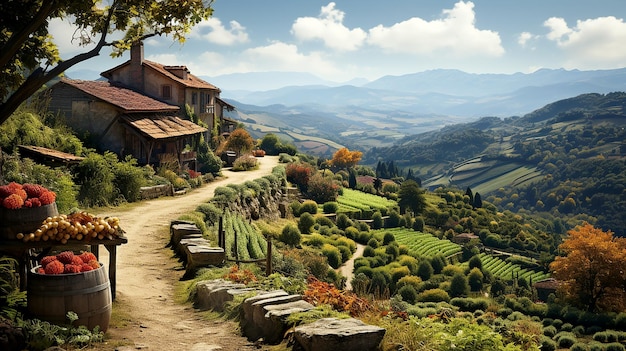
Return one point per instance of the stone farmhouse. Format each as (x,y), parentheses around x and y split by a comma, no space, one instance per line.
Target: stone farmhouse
(140,109)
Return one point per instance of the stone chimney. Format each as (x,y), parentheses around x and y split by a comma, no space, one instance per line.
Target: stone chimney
(136,66)
(181,72)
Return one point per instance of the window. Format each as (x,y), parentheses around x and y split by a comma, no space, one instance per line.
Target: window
(194,98)
(166,92)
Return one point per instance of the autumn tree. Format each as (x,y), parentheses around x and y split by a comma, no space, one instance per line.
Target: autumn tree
(29,58)
(239,141)
(345,158)
(593,269)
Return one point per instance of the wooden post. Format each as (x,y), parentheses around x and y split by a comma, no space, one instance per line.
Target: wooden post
(268,259)
(221,237)
(236,249)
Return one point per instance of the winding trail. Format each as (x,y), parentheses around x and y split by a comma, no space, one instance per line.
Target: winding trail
(347,269)
(146,315)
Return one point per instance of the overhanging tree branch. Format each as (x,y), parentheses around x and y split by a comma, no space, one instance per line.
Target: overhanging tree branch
(16,40)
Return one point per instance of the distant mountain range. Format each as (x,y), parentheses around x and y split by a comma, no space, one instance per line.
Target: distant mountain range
(377,113)
(441,92)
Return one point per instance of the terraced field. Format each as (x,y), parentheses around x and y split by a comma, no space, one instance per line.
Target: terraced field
(423,244)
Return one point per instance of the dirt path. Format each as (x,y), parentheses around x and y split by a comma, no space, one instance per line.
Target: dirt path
(347,269)
(147,275)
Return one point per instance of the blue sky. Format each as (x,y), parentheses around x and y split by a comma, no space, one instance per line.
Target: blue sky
(342,40)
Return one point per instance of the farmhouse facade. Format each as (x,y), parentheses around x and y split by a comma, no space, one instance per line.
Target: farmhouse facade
(140,110)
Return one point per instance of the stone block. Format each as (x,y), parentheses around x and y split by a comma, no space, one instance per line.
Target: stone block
(274,325)
(213,294)
(339,334)
(203,256)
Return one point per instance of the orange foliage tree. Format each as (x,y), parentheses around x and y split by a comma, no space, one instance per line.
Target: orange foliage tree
(345,158)
(239,141)
(593,270)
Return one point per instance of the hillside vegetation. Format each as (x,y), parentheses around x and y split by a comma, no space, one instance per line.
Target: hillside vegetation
(566,159)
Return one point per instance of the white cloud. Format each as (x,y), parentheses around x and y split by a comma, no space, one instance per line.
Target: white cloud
(455,34)
(279,56)
(215,32)
(524,38)
(207,64)
(592,43)
(329,28)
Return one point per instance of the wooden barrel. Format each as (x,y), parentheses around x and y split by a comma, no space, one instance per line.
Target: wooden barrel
(88,294)
(24,220)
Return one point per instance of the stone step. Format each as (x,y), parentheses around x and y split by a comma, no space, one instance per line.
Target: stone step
(215,294)
(339,334)
(275,324)
(202,256)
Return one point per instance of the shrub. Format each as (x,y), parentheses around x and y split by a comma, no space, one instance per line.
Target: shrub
(595,346)
(330,207)
(434,295)
(408,294)
(424,270)
(451,269)
(322,189)
(290,235)
(369,251)
(128,178)
(343,221)
(299,174)
(394,219)
(579,347)
(470,304)
(459,286)
(209,162)
(475,279)
(324,221)
(309,206)
(549,331)
(547,344)
(412,280)
(373,243)
(95,177)
(578,330)
(388,238)
(332,255)
(567,327)
(380,281)
(377,220)
(614,346)
(346,253)
(557,323)
(211,213)
(305,223)
(565,339)
(393,251)
(351,233)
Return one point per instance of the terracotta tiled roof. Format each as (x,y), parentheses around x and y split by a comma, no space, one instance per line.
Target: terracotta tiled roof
(191,81)
(126,99)
(163,127)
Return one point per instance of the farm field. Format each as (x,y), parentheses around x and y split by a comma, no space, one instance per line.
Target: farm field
(427,245)
(507,270)
(358,201)
(423,244)
(250,242)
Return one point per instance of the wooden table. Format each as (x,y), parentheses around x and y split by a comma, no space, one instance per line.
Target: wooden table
(24,252)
